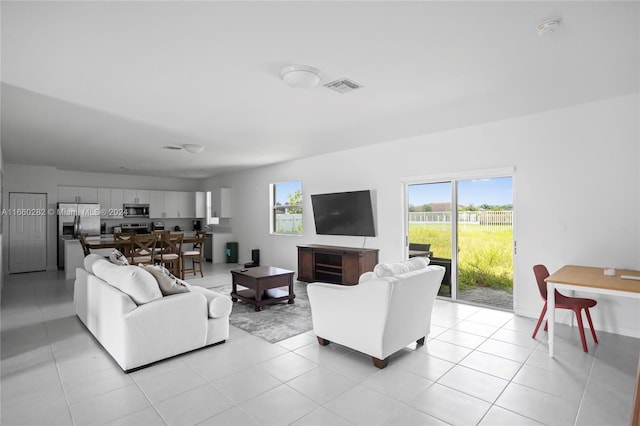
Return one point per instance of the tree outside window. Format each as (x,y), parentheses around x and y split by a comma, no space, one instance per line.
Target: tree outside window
(287,208)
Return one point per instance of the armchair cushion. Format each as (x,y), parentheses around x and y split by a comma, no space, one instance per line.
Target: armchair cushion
(393,269)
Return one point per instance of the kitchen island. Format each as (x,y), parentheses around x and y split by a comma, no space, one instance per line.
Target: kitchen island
(102,245)
(74,256)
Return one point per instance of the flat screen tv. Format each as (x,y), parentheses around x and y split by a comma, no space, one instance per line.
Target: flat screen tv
(343,213)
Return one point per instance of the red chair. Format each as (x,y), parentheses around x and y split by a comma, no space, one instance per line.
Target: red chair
(576,304)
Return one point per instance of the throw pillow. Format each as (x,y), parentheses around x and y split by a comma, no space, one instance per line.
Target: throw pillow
(168,283)
(137,283)
(118,258)
(393,269)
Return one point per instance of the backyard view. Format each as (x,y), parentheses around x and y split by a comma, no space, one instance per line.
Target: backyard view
(484,240)
(485,253)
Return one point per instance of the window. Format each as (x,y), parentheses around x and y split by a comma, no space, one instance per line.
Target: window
(286,208)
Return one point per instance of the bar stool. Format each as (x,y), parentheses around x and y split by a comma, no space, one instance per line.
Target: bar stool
(195,255)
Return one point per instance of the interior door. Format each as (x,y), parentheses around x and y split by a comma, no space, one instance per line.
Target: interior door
(27,232)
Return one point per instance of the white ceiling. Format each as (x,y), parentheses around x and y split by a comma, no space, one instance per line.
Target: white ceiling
(97,86)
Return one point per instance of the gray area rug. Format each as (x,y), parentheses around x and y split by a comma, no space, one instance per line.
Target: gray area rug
(275,322)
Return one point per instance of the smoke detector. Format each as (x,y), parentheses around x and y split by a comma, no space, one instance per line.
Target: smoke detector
(547,26)
(343,85)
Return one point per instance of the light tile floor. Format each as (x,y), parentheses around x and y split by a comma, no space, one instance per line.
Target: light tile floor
(479,366)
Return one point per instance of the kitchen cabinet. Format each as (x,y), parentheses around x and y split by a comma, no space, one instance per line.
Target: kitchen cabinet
(111,201)
(136,196)
(77,194)
(200,204)
(221,202)
(163,204)
(186,205)
(172,205)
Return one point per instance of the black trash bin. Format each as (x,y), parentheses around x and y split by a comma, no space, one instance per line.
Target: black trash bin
(232,252)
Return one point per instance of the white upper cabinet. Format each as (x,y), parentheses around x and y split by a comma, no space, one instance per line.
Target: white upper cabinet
(171,204)
(221,203)
(156,204)
(111,201)
(163,204)
(136,196)
(201,204)
(187,205)
(77,194)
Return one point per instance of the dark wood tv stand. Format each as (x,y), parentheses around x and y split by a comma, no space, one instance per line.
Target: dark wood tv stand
(334,264)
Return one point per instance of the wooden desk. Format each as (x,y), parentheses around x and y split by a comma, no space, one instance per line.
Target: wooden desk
(587,279)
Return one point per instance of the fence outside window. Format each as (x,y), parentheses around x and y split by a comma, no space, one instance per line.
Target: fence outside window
(489,219)
(287,223)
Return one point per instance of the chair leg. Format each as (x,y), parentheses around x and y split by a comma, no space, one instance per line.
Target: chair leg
(323,342)
(593,330)
(199,266)
(581,330)
(380,363)
(544,311)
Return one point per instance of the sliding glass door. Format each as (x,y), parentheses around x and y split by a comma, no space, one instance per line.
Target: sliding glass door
(465,225)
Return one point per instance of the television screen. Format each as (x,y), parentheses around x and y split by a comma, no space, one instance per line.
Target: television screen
(343,213)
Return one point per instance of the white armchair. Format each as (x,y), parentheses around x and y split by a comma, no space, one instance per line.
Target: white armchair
(389,308)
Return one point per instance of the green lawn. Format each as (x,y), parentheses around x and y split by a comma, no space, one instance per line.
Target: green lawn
(485,257)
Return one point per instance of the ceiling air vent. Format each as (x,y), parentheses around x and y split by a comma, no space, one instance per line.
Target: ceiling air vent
(344,85)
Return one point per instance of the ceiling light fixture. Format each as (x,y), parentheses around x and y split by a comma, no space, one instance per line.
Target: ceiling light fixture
(189,147)
(301,76)
(549,25)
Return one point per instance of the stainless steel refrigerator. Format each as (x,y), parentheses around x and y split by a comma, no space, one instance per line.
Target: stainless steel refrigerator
(74,219)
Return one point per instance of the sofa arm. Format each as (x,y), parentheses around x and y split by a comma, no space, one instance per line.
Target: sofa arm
(219,304)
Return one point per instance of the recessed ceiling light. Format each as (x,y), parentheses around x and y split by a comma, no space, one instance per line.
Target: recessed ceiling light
(301,76)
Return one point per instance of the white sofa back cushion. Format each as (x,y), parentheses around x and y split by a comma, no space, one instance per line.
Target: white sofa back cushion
(132,280)
(393,269)
(90,260)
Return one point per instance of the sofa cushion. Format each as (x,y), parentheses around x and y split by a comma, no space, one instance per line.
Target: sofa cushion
(118,258)
(90,260)
(168,283)
(393,269)
(132,280)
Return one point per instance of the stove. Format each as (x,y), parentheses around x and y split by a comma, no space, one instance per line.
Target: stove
(138,228)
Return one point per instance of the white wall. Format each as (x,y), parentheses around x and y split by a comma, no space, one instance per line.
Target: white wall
(576,194)
(22,178)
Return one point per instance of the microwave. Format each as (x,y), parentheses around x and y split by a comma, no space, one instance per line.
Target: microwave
(135,210)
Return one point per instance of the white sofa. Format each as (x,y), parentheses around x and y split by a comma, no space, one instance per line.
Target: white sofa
(135,323)
(389,308)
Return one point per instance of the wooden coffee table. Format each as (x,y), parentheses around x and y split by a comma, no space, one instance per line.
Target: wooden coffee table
(259,280)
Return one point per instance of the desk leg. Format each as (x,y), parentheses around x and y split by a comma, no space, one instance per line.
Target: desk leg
(551,315)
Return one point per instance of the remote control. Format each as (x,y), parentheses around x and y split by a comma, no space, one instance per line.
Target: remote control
(630,277)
